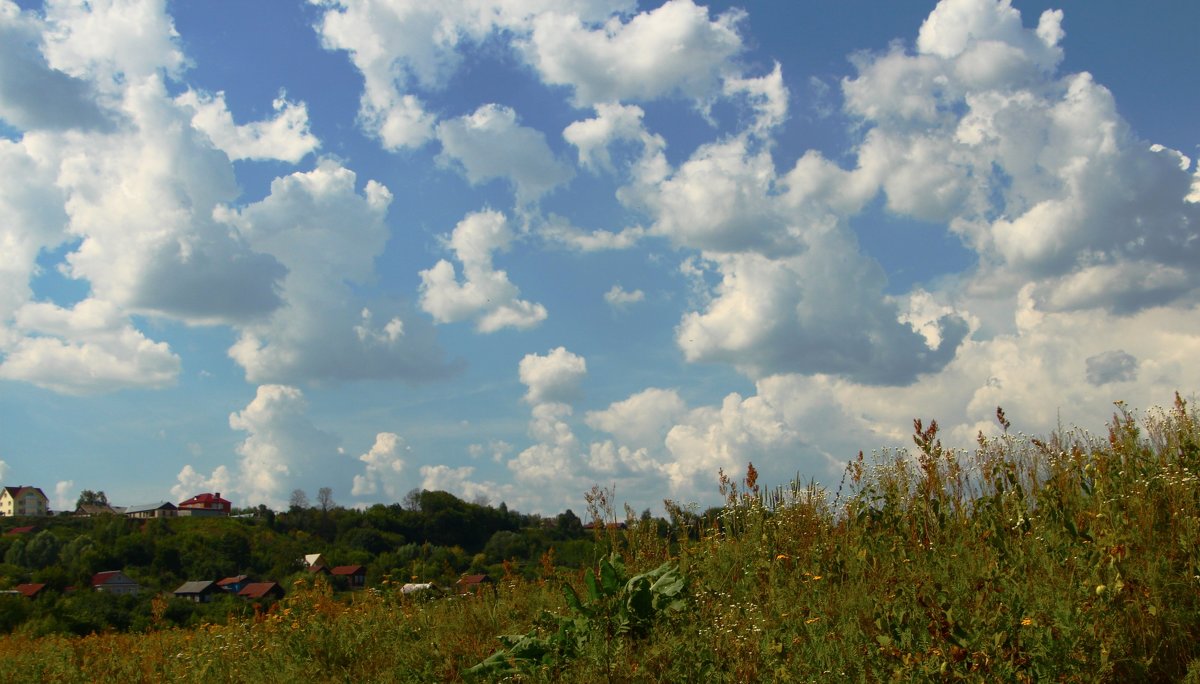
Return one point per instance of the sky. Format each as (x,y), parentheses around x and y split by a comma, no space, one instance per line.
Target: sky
(512,249)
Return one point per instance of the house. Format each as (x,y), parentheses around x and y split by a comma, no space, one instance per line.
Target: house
(313,559)
(234,584)
(23,500)
(355,576)
(114,582)
(162,509)
(315,570)
(474,584)
(205,504)
(261,590)
(24,529)
(201,591)
(92,510)
(30,590)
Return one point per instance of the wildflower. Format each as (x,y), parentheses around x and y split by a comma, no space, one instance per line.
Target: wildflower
(1100,589)
(1026,622)
(811,620)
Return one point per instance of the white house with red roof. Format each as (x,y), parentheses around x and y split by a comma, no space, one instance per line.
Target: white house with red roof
(114,582)
(23,500)
(205,504)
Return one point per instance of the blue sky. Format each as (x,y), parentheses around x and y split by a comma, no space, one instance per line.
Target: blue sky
(513,248)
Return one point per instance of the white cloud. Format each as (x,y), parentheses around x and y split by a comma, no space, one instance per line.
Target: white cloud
(400,45)
(64,497)
(821,311)
(613,123)
(384,465)
(486,293)
(552,378)
(458,481)
(87,349)
(767,95)
(189,483)
(641,420)
(35,221)
(285,137)
(3,470)
(618,297)
(283,449)
(327,235)
(709,439)
(1037,172)
(33,95)
(675,48)
(112,41)
(562,232)
(141,201)
(491,144)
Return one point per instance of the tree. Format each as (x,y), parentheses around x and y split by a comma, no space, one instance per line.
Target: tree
(89,498)
(298,500)
(325,498)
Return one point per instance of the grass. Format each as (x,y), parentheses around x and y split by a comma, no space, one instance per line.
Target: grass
(1064,558)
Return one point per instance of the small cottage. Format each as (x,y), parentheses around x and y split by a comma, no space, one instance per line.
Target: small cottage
(201,591)
(257,591)
(355,576)
(114,582)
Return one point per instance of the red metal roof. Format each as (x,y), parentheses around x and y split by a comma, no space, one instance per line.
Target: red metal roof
(348,570)
(231,580)
(206,500)
(259,589)
(105,577)
(30,590)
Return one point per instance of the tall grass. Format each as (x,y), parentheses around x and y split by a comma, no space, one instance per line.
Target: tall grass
(1066,558)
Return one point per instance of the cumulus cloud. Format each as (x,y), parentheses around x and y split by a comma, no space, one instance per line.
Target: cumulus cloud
(1036,171)
(189,482)
(64,497)
(767,96)
(401,45)
(33,95)
(283,449)
(491,144)
(458,481)
(140,202)
(740,430)
(641,420)
(486,294)
(3,470)
(675,48)
(384,465)
(552,378)
(327,235)
(112,42)
(613,123)
(285,137)
(618,297)
(821,311)
(87,349)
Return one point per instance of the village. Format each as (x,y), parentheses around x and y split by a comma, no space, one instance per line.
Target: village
(31,502)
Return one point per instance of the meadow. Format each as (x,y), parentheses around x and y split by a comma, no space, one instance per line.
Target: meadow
(1069,557)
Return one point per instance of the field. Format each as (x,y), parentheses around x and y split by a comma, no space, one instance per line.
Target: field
(1063,558)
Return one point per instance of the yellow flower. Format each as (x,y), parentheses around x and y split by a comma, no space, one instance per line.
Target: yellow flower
(811,620)
(816,577)
(1026,622)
